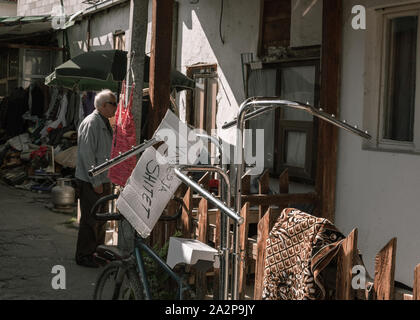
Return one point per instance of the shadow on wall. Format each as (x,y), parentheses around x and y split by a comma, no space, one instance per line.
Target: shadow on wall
(199,28)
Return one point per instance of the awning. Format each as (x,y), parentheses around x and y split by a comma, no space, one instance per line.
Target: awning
(10,27)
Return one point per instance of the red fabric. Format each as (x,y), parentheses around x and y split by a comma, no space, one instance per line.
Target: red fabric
(124,138)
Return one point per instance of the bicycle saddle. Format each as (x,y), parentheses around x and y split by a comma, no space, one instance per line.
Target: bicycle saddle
(111,253)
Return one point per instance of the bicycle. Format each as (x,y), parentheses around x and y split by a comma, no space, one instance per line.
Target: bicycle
(125,272)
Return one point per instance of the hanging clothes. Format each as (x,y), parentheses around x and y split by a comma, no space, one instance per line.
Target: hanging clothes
(124,138)
(54,96)
(81,114)
(88,103)
(38,103)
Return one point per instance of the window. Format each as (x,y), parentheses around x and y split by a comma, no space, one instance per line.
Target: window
(294,131)
(119,40)
(275,24)
(9,69)
(201,108)
(37,64)
(392,87)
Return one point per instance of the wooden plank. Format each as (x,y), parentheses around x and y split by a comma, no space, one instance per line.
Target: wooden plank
(325,183)
(201,282)
(243,245)
(385,271)
(281,199)
(26,46)
(202,220)
(264,188)
(264,227)
(284,181)
(345,262)
(160,61)
(416,285)
(186,214)
(204,180)
(272,199)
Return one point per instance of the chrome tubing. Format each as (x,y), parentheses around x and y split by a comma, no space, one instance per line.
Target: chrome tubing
(224,232)
(270,103)
(219,204)
(122,157)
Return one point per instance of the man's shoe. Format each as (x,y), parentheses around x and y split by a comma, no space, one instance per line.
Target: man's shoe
(87,261)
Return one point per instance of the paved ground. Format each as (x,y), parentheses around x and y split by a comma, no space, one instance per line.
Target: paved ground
(33,239)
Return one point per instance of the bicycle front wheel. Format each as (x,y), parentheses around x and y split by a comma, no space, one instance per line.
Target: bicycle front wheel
(118,281)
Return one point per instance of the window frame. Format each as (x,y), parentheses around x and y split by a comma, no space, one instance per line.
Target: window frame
(377,71)
(307,173)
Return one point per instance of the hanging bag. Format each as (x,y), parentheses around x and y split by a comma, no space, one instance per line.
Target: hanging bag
(124,138)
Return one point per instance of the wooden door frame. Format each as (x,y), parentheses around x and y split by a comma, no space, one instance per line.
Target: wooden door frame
(326,174)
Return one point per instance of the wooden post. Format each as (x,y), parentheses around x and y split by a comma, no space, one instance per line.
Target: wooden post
(416,285)
(385,271)
(264,188)
(204,180)
(201,283)
(243,244)
(170,226)
(137,43)
(284,182)
(264,227)
(345,262)
(186,214)
(330,97)
(160,61)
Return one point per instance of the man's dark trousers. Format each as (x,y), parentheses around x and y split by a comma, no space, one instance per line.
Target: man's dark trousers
(91,231)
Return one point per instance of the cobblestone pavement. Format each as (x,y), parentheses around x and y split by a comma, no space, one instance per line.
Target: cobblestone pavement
(33,239)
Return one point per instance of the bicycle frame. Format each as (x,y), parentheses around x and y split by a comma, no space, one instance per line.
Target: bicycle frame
(141,245)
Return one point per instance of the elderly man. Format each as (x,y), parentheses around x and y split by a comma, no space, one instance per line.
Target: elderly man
(94,146)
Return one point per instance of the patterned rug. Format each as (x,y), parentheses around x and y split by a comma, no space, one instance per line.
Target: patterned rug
(300,248)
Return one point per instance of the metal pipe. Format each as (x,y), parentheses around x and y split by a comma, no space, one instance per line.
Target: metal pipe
(273,103)
(249,116)
(224,223)
(122,157)
(228,211)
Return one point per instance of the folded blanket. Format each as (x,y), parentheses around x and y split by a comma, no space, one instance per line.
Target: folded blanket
(299,248)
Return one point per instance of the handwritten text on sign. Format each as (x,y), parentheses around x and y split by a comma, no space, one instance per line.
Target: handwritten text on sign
(147,192)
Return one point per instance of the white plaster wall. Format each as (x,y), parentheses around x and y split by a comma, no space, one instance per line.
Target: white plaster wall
(8,9)
(377,192)
(41,7)
(199,41)
(102,27)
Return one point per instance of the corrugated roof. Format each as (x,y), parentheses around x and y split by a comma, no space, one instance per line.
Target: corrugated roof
(11,19)
(34,18)
(25,19)
(18,25)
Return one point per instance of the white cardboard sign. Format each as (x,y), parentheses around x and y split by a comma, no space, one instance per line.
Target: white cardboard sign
(153,180)
(147,192)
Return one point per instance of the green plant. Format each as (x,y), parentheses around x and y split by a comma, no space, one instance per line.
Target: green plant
(159,282)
